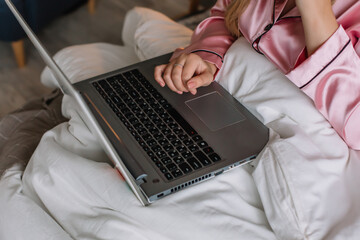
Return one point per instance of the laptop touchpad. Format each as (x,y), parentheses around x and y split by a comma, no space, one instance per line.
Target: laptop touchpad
(215,111)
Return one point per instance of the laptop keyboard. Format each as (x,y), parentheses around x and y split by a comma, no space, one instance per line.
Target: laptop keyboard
(173,146)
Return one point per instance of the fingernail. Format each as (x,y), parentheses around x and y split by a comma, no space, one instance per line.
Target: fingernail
(179,92)
(193,92)
(161,83)
(191,85)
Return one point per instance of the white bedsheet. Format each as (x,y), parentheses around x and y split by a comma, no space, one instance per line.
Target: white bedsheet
(304,184)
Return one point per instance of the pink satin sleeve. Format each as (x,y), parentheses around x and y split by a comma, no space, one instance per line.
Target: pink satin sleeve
(210,39)
(331,77)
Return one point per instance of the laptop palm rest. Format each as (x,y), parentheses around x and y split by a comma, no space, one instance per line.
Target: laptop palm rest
(214,111)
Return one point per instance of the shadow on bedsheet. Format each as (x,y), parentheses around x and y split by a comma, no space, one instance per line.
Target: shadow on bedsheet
(21,131)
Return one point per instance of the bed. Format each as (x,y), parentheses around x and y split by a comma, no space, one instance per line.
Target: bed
(303,185)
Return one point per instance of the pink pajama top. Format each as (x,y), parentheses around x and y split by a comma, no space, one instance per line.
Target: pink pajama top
(330,76)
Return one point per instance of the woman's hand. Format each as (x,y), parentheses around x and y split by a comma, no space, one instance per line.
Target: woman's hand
(185,73)
(318,20)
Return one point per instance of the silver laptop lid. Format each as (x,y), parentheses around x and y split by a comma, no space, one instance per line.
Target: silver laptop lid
(68,89)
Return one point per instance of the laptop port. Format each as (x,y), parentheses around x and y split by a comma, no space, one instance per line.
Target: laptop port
(219,172)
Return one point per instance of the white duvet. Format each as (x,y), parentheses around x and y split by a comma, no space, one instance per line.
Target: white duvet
(303,185)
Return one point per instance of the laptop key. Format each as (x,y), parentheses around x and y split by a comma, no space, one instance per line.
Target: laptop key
(156,95)
(168,148)
(104,84)
(142,143)
(168,176)
(168,119)
(134,94)
(181,148)
(151,143)
(202,144)
(143,132)
(147,137)
(186,154)
(173,154)
(188,142)
(185,168)
(177,131)
(158,164)
(183,137)
(214,157)
(202,158)
(176,142)
(161,126)
(153,130)
(167,106)
(158,136)
(151,89)
(108,100)
(121,105)
(171,167)
(177,173)
(163,142)
(154,159)
(129,115)
(131,105)
(127,124)
(137,137)
(171,137)
(208,150)
(195,164)
(157,121)
(166,160)
(166,131)
(163,101)
(173,126)
(156,148)
(133,121)
(125,110)
(138,126)
(178,160)
(150,153)
(145,95)
(161,154)
(116,99)
(193,148)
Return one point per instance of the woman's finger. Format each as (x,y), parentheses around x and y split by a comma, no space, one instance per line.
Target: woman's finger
(167,77)
(201,80)
(158,73)
(196,73)
(176,74)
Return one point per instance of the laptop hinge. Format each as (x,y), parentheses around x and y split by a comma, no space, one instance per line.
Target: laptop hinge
(141,179)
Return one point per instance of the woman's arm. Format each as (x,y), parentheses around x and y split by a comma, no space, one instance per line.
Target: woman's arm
(331,73)
(319,22)
(197,64)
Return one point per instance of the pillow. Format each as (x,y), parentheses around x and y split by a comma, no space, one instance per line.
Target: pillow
(152,34)
(80,62)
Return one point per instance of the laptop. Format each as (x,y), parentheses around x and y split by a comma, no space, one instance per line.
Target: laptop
(161,142)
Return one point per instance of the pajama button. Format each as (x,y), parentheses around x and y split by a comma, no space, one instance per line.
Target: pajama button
(268,27)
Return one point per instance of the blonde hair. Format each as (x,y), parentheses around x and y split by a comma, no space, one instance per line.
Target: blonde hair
(233,11)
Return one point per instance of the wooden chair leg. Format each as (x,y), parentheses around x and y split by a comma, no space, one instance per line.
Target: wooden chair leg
(194,6)
(18,49)
(91,6)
